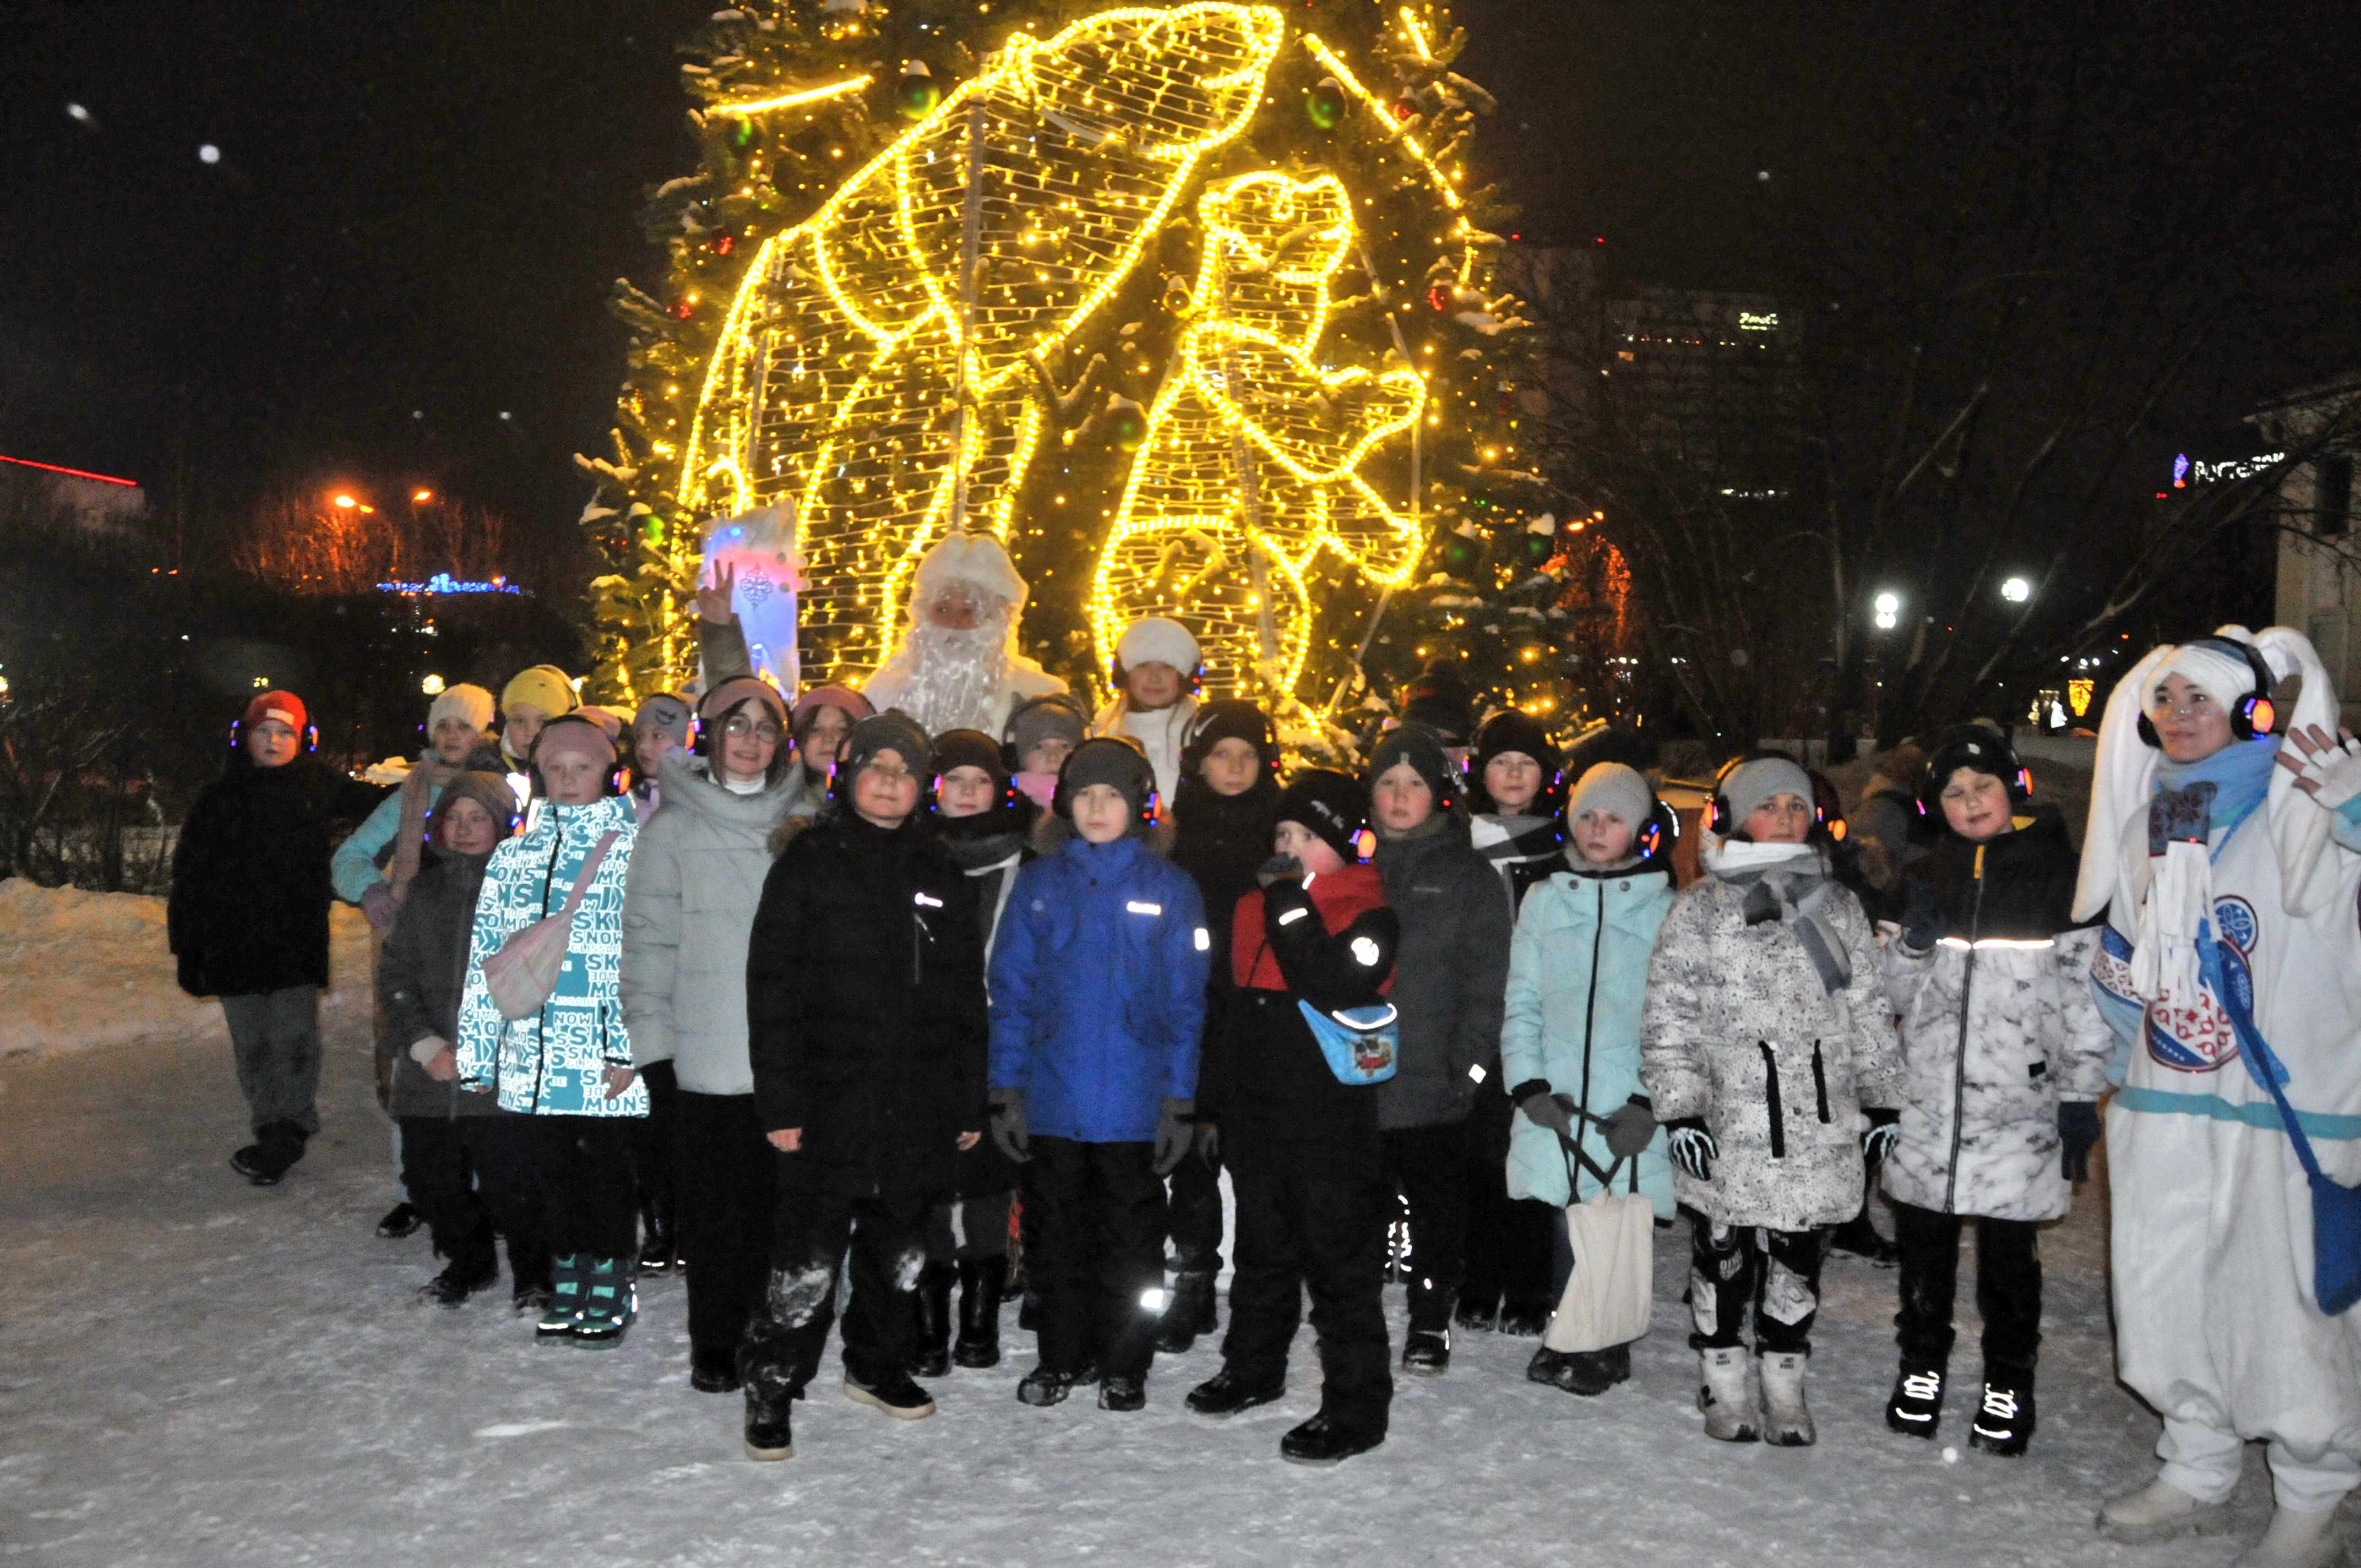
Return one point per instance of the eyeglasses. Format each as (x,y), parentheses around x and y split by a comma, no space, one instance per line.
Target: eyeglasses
(2161,706)
(739,727)
(889,772)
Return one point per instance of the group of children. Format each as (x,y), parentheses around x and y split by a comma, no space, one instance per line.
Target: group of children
(891,999)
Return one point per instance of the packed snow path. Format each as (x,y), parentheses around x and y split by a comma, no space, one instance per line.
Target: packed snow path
(196,1371)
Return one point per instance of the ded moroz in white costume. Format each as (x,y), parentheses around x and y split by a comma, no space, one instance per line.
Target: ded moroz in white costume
(2217,1325)
(956,666)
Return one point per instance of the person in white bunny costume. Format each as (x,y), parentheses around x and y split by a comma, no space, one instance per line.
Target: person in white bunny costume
(2229,860)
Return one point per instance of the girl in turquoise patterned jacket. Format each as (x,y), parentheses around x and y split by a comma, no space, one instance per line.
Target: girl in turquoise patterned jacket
(568,1066)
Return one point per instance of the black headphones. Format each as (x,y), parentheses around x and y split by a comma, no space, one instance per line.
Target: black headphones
(614,779)
(1972,745)
(1010,795)
(2256,715)
(1718,814)
(1066,700)
(1063,802)
(311,735)
(1658,834)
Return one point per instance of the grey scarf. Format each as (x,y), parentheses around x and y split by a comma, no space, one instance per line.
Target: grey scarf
(1789,884)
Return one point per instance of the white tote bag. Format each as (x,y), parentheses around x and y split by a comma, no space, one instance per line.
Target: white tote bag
(1609,1295)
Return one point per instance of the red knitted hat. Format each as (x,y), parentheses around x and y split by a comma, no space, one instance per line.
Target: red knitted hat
(284,707)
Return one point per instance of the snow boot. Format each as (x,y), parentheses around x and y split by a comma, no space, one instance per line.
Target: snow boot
(1478,1316)
(1786,1420)
(1520,1321)
(1321,1442)
(713,1371)
(276,1148)
(1725,1397)
(1117,1392)
(2003,1423)
(2158,1511)
(768,1434)
(1226,1394)
(463,1277)
(1189,1313)
(2297,1541)
(1914,1408)
(1860,1237)
(527,1296)
(564,1305)
(609,1302)
(1043,1387)
(1589,1372)
(931,1352)
(981,1283)
(402,1220)
(660,1253)
(896,1396)
(1426,1351)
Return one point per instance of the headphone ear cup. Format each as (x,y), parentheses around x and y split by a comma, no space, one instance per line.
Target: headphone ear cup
(2147,732)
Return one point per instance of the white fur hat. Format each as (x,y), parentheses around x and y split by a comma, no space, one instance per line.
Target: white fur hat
(976,559)
(1155,639)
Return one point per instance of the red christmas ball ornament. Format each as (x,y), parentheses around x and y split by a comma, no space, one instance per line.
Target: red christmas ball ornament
(722,244)
(1405,108)
(681,310)
(1441,297)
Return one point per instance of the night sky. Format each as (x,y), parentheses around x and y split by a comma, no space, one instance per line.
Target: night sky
(418,210)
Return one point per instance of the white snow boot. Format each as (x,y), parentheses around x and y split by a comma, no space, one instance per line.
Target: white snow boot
(1786,1422)
(2298,1540)
(2158,1511)
(1727,1401)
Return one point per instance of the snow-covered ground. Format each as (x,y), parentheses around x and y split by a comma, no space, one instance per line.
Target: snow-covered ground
(194,1371)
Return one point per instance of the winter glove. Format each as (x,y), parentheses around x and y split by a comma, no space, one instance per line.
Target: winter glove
(1008,1134)
(1209,1144)
(2329,771)
(1630,1130)
(1922,917)
(380,906)
(2078,1130)
(1279,868)
(1544,1108)
(1884,1132)
(1174,1133)
(1691,1146)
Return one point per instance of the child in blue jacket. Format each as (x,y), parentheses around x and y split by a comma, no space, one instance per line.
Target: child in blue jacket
(1098,995)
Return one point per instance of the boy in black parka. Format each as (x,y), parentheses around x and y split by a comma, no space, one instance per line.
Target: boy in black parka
(1304,1152)
(1223,817)
(866,1032)
(248,917)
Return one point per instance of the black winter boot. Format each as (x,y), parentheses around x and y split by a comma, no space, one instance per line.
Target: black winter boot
(768,1434)
(1914,1408)
(470,1269)
(1042,1387)
(659,1252)
(1321,1441)
(1226,1394)
(930,1354)
(276,1147)
(1859,1236)
(896,1396)
(713,1371)
(402,1220)
(2003,1423)
(1426,1351)
(1117,1392)
(1589,1372)
(1188,1314)
(982,1280)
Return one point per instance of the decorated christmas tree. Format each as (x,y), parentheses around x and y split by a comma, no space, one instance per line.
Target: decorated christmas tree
(1190,304)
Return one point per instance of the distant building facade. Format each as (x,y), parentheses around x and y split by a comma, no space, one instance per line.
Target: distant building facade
(2318,586)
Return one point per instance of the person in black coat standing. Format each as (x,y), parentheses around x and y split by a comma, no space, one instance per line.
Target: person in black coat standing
(866,1030)
(1223,815)
(248,917)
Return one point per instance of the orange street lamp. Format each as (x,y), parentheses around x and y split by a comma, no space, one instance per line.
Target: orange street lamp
(421,495)
(346,503)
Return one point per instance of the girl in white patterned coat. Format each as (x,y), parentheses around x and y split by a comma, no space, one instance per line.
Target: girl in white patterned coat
(1767,1050)
(2005,1057)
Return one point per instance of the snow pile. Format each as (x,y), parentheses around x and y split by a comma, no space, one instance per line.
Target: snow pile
(83,970)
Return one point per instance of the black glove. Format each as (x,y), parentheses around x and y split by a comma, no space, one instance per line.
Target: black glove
(1008,1125)
(1209,1144)
(1174,1132)
(1544,1108)
(1631,1129)
(1279,868)
(1691,1146)
(1922,917)
(1884,1132)
(2078,1131)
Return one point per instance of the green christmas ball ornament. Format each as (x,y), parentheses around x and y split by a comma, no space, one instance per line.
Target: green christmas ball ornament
(743,133)
(652,530)
(915,95)
(1126,425)
(1460,555)
(1540,547)
(1325,103)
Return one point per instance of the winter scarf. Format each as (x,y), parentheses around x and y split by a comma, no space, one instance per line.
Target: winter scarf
(1790,883)
(2193,800)
(425,782)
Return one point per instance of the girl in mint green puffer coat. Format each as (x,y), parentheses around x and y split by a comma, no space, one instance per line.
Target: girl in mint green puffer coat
(1570,1031)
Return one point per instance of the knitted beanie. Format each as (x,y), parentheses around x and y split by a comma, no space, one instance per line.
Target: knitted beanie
(489,791)
(542,686)
(1057,714)
(663,714)
(1114,761)
(1757,780)
(1422,749)
(1612,788)
(1513,729)
(1157,639)
(844,700)
(284,707)
(571,734)
(892,730)
(716,705)
(969,749)
(471,706)
(1333,806)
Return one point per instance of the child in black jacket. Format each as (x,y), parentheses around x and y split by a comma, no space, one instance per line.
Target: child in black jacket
(1306,1155)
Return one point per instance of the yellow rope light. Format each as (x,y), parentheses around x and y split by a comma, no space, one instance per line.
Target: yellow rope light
(791,100)
(830,381)
(1252,449)
(1416,35)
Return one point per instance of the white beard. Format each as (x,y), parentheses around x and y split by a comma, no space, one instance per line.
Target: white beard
(951,679)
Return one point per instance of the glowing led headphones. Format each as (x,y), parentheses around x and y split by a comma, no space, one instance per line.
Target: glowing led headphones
(2256,715)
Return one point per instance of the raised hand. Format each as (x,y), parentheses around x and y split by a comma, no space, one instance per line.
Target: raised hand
(713,599)
(2328,770)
